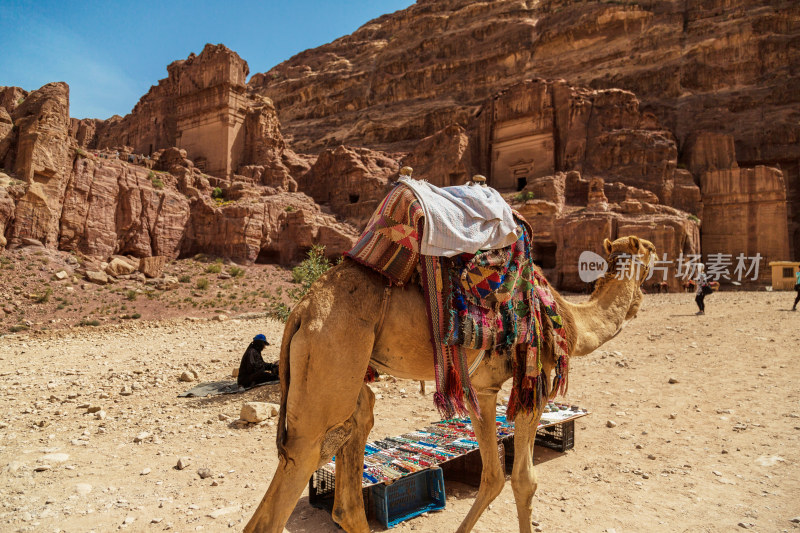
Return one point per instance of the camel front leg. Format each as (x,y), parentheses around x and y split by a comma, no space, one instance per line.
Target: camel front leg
(492,476)
(348,504)
(523,476)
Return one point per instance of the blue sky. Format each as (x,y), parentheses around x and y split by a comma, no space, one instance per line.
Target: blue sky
(110,53)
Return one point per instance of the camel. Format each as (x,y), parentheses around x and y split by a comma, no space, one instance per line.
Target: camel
(660,286)
(349,320)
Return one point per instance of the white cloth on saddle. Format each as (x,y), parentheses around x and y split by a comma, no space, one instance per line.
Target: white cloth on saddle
(465,218)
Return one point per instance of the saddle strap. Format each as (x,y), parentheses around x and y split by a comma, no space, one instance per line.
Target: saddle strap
(387,293)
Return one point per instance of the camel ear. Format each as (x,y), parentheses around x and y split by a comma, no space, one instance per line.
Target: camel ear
(634,242)
(607,246)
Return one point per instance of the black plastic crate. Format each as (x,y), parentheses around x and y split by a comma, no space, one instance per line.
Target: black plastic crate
(408,496)
(560,437)
(321,490)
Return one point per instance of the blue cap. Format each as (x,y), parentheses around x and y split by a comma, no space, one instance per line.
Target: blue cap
(260,337)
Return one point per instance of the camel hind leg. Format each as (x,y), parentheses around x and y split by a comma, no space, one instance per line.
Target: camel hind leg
(326,366)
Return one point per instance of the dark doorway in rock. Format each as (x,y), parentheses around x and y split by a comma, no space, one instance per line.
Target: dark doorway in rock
(269,257)
(522,183)
(544,254)
(354,198)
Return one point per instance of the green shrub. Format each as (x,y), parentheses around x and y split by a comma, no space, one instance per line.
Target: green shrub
(131,294)
(186,278)
(236,271)
(202,284)
(694,219)
(18,327)
(86,322)
(136,315)
(306,273)
(157,183)
(44,297)
(523,196)
(311,268)
(289,208)
(216,268)
(217,193)
(280,311)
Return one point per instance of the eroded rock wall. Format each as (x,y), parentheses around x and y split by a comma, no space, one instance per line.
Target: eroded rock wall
(42,159)
(115,208)
(719,66)
(745,213)
(350,181)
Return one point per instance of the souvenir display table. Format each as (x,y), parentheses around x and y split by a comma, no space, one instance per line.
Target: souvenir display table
(389,459)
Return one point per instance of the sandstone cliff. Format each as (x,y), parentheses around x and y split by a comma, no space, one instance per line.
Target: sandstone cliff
(102,203)
(722,66)
(616,116)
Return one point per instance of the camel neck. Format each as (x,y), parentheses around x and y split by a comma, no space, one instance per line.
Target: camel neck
(599,319)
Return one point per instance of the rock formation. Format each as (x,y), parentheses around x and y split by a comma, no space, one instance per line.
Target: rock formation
(537,127)
(745,213)
(656,118)
(444,157)
(112,207)
(350,181)
(42,159)
(202,107)
(105,202)
(565,226)
(718,66)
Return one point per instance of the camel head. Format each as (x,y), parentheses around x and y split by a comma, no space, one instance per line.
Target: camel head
(629,261)
(630,258)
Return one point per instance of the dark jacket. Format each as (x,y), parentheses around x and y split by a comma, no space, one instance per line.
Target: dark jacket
(253,369)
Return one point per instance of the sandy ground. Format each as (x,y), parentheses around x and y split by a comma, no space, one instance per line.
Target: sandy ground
(717,450)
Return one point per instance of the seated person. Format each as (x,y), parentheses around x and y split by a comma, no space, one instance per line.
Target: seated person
(253,370)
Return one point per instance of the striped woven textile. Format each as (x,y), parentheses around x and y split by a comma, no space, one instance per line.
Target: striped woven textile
(493,301)
(390,242)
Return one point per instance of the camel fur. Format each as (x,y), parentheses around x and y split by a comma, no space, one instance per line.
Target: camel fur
(334,333)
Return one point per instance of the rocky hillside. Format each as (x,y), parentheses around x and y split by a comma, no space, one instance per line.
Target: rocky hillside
(722,66)
(676,121)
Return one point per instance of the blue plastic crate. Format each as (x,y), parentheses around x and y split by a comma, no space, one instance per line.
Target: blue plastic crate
(408,497)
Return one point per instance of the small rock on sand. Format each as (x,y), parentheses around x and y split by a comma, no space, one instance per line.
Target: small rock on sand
(255,412)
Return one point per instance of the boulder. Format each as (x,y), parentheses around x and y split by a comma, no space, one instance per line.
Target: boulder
(152,267)
(96,276)
(255,412)
(118,267)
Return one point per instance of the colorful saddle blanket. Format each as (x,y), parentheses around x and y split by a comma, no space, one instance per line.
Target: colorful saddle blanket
(390,242)
(493,300)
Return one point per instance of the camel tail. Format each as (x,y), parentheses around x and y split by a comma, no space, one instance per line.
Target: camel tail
(292,325)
